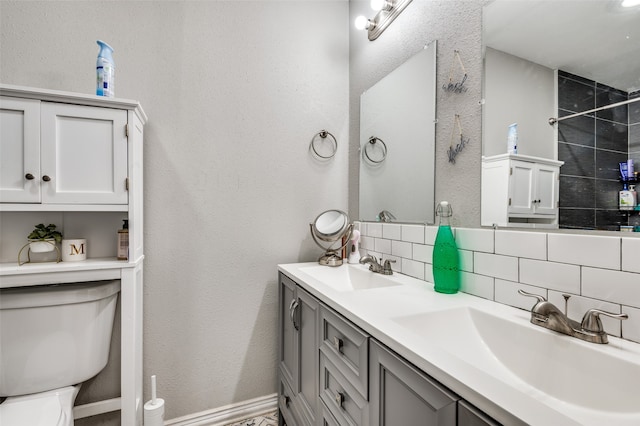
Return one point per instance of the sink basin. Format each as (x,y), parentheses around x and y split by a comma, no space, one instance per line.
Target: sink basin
(350,277)
(591,376)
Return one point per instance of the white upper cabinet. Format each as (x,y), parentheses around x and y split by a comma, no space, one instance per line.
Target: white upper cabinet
(57,155)
(19,150)
(83,154)
(520,190)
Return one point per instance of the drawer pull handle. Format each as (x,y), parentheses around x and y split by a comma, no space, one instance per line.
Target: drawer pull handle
(284,400)
(337,344)
(292,313)
(339,399)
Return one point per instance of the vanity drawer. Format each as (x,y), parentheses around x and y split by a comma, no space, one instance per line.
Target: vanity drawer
(286,404)
(347,347)
(344,401)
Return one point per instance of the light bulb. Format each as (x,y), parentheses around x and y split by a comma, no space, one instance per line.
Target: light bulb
(628,3)
(377,4)
(362,23)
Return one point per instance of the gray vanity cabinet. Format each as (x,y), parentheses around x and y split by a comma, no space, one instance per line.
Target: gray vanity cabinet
(333,373)
(298,354)
(399,394)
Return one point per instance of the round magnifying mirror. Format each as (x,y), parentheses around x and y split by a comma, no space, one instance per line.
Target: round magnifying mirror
(331,226)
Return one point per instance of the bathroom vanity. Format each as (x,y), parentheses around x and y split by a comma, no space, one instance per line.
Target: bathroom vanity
(77,159)
(359,348)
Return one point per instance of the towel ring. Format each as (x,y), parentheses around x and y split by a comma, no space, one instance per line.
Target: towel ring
(372,141)
(323,135)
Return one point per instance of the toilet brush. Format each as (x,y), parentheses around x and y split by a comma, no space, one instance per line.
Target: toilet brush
(154,409)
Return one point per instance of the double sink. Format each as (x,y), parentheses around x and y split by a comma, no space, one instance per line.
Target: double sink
(490,349)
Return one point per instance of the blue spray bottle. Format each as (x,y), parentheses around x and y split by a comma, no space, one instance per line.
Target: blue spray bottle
(106,71)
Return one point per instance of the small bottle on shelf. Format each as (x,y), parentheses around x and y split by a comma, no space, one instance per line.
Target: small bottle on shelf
(123,241)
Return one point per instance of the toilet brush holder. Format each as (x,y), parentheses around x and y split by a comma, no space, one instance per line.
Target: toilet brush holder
(154,409)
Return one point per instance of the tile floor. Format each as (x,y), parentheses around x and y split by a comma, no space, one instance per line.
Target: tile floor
(269,419)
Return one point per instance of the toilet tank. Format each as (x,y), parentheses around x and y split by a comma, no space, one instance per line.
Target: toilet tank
(54,335)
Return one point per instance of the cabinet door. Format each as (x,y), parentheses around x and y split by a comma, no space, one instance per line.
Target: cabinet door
(299,350)
(308,349)
(288,356)
(468,415)
(19,150)
(83,154)
(546,192)
(400,394)
(521,187)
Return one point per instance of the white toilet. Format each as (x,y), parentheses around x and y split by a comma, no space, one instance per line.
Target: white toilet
(52,338)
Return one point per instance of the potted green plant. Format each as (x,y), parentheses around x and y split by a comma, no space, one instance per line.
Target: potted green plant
(44,238)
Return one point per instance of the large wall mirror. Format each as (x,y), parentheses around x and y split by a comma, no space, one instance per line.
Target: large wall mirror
(397,142)
(546,59)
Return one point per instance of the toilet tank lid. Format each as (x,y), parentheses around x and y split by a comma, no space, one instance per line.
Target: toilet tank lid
(57,294)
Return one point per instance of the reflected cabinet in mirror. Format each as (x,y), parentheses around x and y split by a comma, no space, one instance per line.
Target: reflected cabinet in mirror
(397,142)
(578,64)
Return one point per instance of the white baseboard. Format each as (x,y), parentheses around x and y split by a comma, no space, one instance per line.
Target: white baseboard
(229,413)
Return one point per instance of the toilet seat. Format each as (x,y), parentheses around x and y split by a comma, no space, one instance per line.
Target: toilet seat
(50,408)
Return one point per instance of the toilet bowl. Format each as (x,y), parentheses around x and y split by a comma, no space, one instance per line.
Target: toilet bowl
(50,408)
(52,338)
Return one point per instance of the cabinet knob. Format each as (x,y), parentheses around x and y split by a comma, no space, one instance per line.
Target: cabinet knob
(337,344)
(284,399)
(29,176)
(46,178)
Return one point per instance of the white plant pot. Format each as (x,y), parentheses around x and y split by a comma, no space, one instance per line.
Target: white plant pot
(40,246)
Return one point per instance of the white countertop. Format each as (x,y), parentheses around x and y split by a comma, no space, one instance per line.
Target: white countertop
(503,396)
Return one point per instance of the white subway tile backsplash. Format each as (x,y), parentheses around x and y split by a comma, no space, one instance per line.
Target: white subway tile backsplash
(413,268)
(631,254)
(401,249)
(507,293)
(505,267)
(422,253)
(631,326)
(477,285)
(374,229)
(592,250)
(383,246)
(413,233)
(613,286)
(430,233)
(391,231)
(466,260)
(551,275)
(475,239)
(599,271)
(578,305)
(531,245)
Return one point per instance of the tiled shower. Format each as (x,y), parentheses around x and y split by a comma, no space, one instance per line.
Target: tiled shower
(591,147)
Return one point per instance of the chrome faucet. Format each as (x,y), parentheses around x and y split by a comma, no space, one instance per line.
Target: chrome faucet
(376,267)
(547,315)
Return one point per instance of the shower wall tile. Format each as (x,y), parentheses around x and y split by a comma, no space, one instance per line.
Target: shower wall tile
(610,220)
(606,95)
(607,164)
(613,136)
(634,138)
(577,130)
(578,218)
(578,160)
(606,192)
(577,192)
(574,95)
(634,109)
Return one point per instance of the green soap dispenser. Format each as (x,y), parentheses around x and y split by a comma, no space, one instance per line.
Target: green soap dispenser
(446,259)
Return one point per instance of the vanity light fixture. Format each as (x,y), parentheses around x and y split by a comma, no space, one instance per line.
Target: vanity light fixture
(625,3)
(387,11)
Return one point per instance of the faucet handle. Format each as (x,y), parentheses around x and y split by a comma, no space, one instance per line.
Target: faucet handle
(591,321)
(537,296)
(386,269)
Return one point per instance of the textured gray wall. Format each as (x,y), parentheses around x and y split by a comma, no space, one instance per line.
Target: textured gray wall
(457,26)
(234,91)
